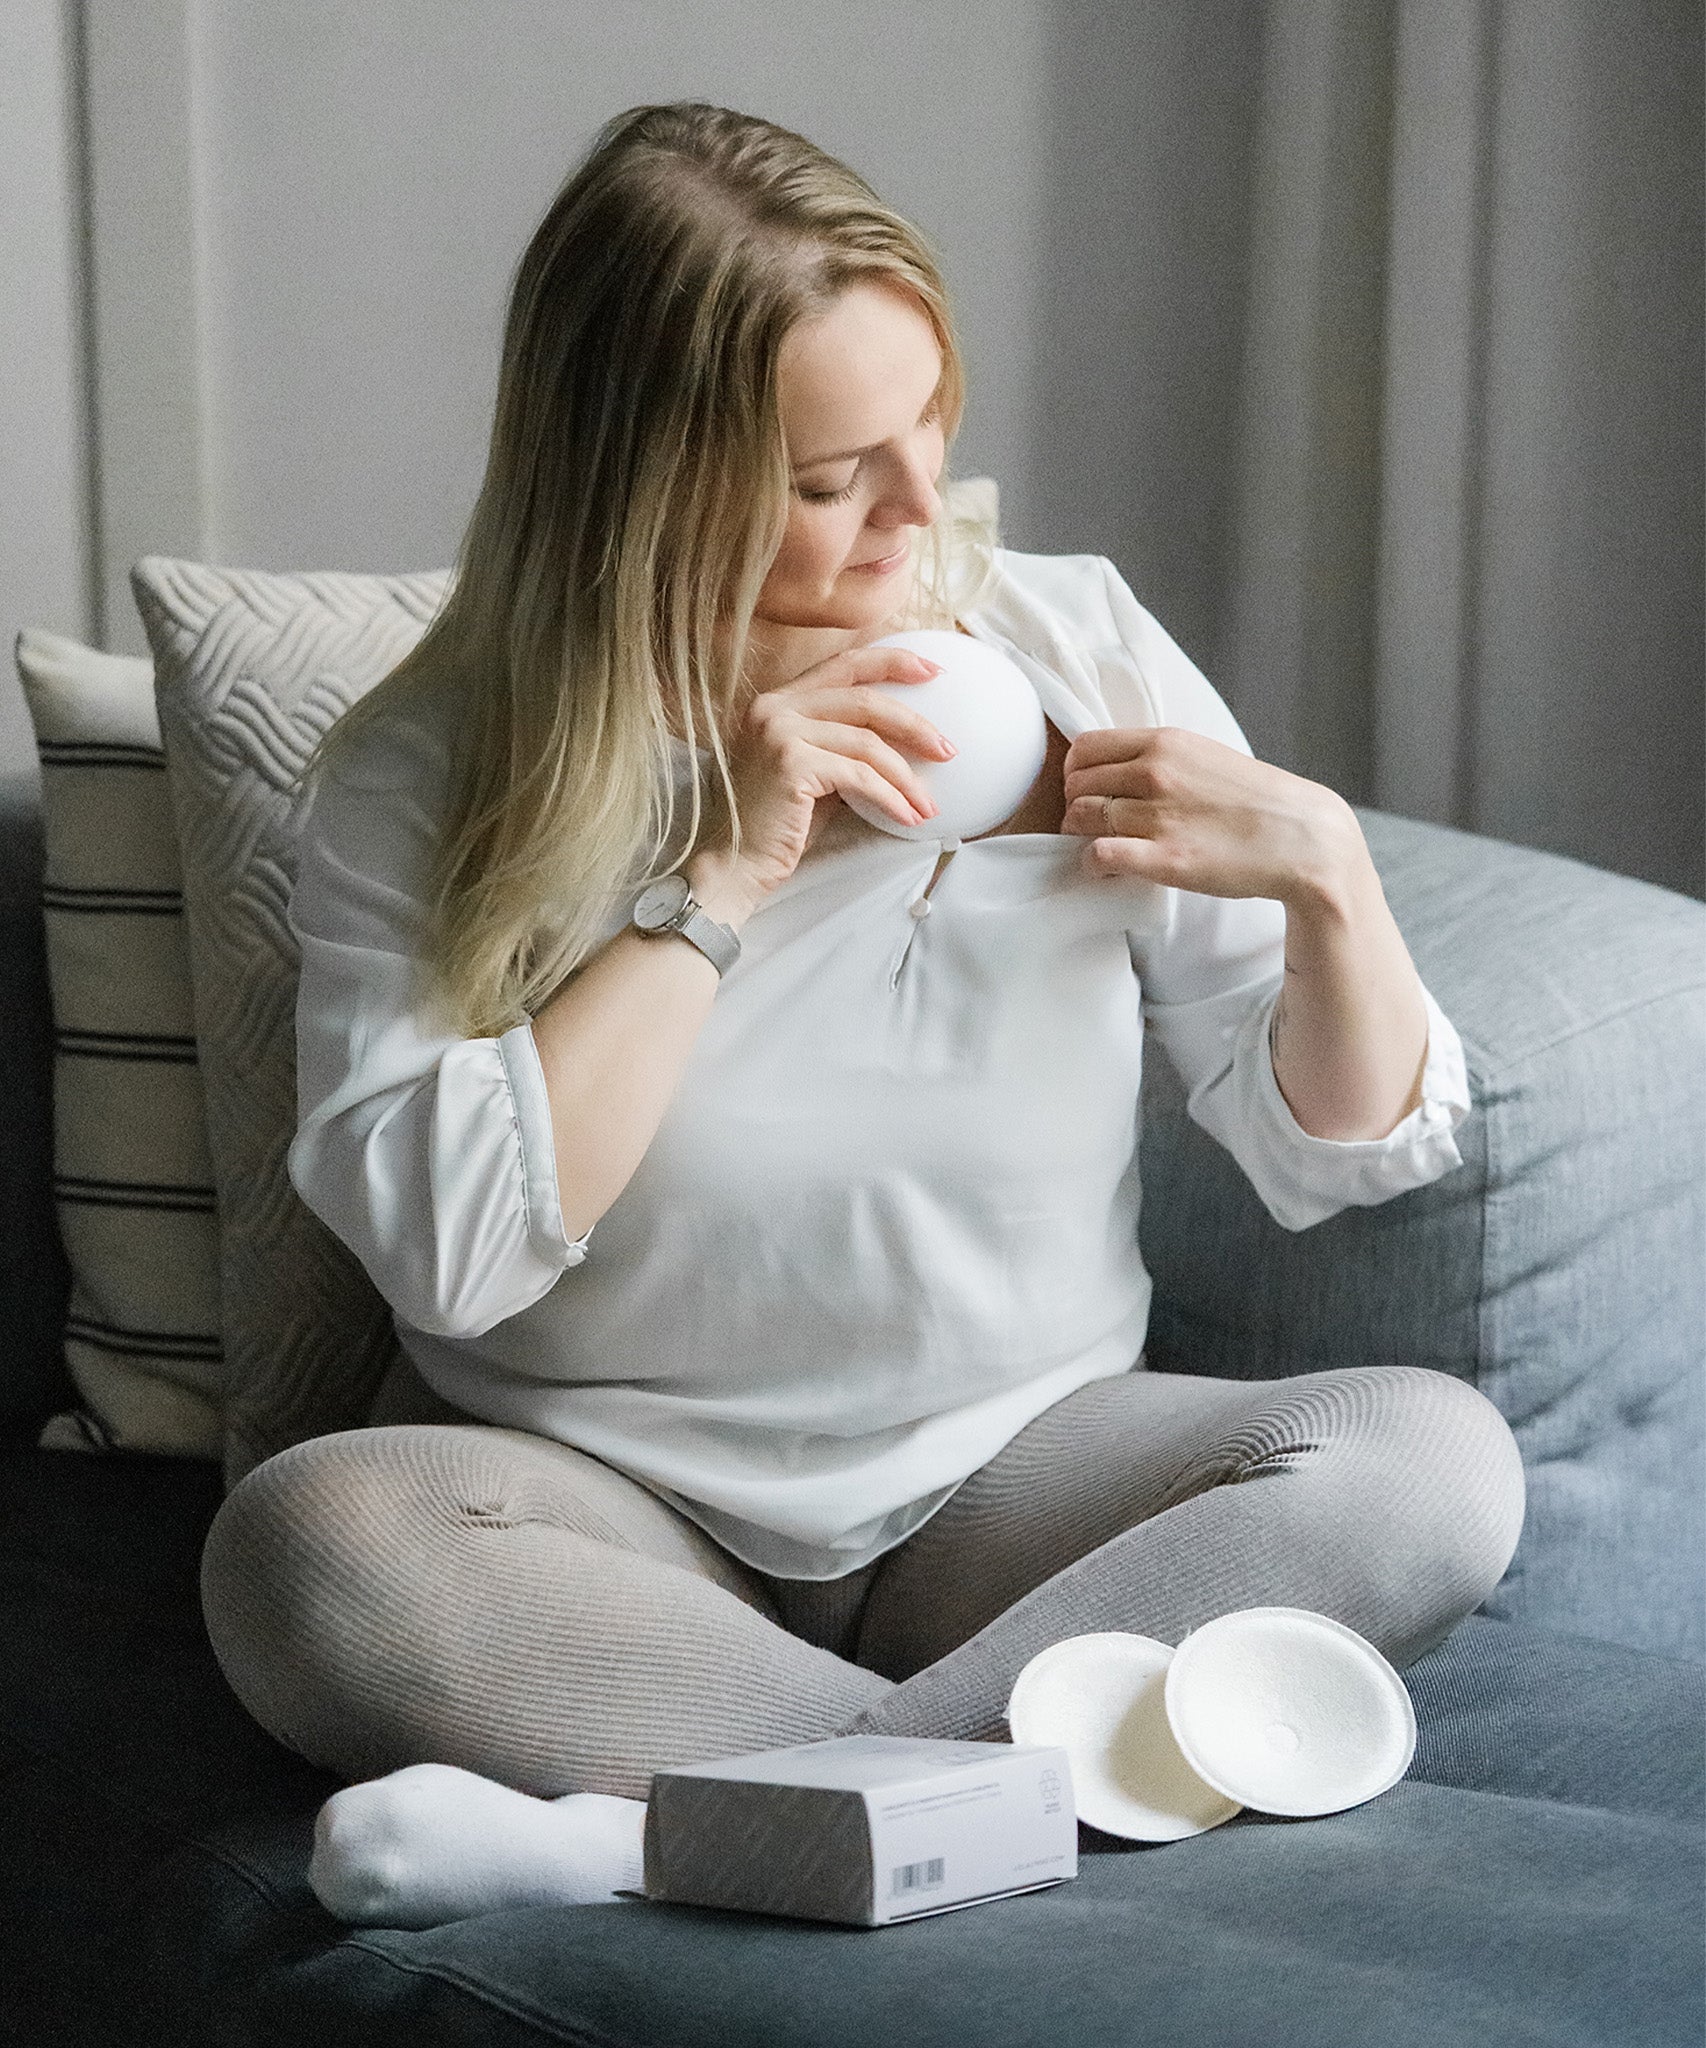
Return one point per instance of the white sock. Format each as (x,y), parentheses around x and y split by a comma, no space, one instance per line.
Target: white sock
(431,1843)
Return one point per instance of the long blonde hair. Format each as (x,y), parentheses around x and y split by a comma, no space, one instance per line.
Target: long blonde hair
(635,494)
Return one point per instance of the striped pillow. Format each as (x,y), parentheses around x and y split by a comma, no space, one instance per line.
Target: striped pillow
(132,1178)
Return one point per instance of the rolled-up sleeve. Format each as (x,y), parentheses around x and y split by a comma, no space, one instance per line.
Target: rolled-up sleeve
(1221,1047)
(1212,970)
(431,1156)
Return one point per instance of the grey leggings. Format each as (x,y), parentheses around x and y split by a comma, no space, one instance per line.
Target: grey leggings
(449,1591)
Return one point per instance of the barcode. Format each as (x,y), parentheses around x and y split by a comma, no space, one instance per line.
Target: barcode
(919,1877)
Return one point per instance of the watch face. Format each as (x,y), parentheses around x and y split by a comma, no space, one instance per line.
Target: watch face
(660,901)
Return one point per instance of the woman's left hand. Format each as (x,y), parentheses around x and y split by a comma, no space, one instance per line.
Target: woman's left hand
(1191,813)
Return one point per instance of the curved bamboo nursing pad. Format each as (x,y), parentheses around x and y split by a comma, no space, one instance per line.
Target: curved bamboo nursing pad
(985,705)
(1288,1711)
(1101,1698)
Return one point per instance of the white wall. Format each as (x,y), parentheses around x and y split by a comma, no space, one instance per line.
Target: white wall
(1151,115)
(44,563)
(368,188)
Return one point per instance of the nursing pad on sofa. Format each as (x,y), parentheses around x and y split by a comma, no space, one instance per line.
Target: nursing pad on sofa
(1275,1708)
(1289,1711)
(1101,1699)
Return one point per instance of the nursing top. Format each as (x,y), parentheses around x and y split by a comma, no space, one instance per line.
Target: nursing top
(891,1212)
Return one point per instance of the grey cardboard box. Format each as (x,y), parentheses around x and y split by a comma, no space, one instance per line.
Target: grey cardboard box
(864,1829)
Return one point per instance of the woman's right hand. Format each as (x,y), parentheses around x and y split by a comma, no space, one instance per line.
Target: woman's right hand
(825,733)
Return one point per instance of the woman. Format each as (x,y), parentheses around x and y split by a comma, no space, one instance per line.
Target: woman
(771,1287)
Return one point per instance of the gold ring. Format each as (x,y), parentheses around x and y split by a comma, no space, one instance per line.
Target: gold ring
(1108,816)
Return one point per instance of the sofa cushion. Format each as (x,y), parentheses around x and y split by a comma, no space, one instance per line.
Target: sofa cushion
(119,1739)
(131,1173)
(1536,1878)
(1559,1269)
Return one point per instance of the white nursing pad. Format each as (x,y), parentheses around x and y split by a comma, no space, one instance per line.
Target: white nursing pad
(1101,1698)
(985,705)
(1288,1711)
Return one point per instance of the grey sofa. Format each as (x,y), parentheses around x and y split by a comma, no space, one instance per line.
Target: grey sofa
(1536,1878)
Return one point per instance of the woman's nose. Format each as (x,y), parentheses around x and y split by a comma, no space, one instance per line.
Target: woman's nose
(912,500)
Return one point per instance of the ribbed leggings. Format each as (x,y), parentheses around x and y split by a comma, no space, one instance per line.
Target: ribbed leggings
(453,1592)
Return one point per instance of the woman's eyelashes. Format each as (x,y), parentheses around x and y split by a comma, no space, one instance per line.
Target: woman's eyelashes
(840,497)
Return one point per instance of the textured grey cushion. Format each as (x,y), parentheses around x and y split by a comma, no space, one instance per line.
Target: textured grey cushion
(250,669)
(1560,1269)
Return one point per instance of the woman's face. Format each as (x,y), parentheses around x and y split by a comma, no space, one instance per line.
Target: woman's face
(857,394)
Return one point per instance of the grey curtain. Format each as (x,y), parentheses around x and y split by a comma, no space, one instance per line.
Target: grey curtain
(1369,345)
(1465,577)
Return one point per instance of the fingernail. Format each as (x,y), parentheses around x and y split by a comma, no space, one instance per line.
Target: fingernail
(949,749)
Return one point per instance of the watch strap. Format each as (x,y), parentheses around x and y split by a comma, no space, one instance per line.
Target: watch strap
(720,945)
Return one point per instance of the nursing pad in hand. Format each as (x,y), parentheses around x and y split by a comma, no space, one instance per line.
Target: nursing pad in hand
(984,704)
(1102,1700)
(1276,1708)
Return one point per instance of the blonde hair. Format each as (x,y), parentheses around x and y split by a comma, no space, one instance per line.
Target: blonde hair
(635,494)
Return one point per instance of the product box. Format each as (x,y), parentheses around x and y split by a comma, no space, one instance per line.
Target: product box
(865,1829)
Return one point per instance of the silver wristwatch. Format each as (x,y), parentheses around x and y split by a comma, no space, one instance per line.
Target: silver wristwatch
(668,906)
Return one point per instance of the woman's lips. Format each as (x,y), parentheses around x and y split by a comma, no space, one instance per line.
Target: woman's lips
(882,565)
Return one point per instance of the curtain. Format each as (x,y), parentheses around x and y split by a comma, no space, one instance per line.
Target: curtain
(1465,575)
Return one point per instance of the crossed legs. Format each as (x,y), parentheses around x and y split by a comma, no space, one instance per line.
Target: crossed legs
(491,1599)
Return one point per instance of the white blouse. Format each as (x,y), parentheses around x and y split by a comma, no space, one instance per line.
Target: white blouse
(890,1214)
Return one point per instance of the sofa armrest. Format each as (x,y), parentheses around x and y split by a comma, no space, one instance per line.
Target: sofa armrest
(1559,1269)
(33,1274)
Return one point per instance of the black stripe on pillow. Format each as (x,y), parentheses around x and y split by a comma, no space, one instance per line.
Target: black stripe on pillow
(125,1045)
(142,902)
(131,1194)
(98,754)
(143,1343)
